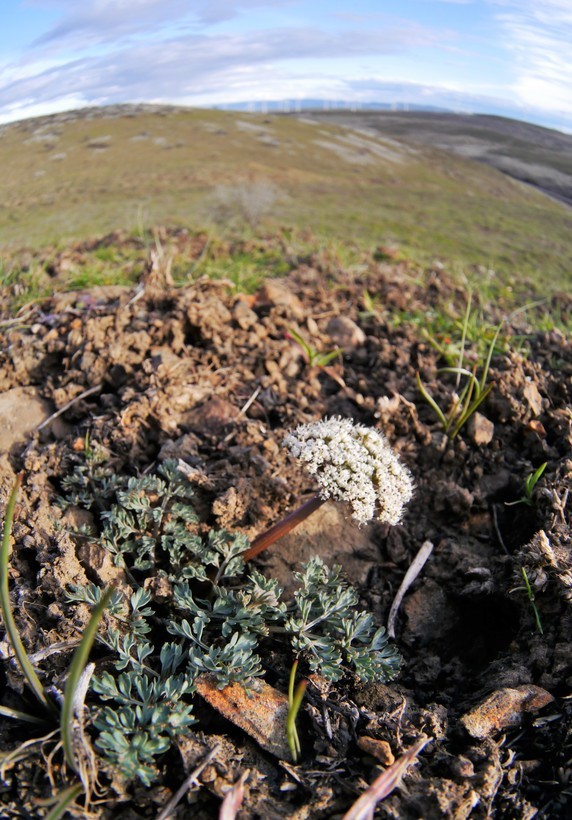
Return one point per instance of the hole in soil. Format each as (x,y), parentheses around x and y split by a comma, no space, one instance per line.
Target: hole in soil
(485,626)
(517,524)
(193,336)
(28,564)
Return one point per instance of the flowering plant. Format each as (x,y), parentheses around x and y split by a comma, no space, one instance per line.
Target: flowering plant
(351,463)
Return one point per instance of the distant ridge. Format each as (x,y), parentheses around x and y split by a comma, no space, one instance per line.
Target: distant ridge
(397,178)
(309,104)
(533,154)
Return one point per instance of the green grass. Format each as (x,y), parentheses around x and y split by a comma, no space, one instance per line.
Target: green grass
(165,168)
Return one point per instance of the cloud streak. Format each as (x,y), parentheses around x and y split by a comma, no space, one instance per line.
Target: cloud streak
(194,64)
(215,51)
(540,37)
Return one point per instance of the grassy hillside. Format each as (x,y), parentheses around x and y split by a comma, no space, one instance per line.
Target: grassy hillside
(535,155)
(75,175)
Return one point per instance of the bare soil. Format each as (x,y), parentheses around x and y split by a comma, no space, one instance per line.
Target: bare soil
(213,377)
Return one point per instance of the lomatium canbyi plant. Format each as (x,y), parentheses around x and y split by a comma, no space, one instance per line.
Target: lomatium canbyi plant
(216,616)
(350,463)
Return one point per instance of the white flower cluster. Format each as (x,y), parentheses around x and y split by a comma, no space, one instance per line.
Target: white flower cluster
(356,464)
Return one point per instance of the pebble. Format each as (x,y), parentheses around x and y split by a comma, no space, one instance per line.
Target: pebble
(214,417)
(276,293)
(480,429)
(533,398)
(344,332)
(504,709)
(244,316)
(380,749)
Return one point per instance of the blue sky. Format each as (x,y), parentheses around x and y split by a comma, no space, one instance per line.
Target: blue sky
(507,57)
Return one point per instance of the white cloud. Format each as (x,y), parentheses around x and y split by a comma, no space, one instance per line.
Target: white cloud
(540,37)
(193,64)
(93,22)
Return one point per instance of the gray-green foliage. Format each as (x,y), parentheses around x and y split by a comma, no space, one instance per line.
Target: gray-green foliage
(326,627)
(220,618)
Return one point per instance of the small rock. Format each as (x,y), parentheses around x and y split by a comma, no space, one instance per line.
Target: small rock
(213,417)
(533,398)
(380,749)
(274,293)
(230,507)
(504,709)
(260,711)
(480,429)
(244,316)
(535,427)
(345,333)
(159,587)
(429,614)
(22,409)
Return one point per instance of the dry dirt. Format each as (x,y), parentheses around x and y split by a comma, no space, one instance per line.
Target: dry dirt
(213,377)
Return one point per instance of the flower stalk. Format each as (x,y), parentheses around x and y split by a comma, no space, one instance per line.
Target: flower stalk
(282,528)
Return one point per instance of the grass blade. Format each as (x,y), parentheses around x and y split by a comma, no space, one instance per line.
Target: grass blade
(295,699)
(472,408)
(65,799)
(490,356)
(17,714)
(464,335)
(431,402)
(11,629)
(77,666)
(533,480)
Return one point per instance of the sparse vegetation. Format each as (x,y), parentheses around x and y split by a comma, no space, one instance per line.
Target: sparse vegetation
(313,356)
(218,617)
(173,395)
(529,484)
(132,182)
(248,201)
(474,391)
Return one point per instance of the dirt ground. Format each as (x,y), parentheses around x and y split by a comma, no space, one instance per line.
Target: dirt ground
(213,377)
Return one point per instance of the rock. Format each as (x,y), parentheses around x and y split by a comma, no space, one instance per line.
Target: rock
(344,332)
(274,293)
(260,711)
(213,417)
(429,615)
(533,398)
(480,429)
(504,709)
(230,507)
(491,486)
(244,317)
(22,409)
(380,749)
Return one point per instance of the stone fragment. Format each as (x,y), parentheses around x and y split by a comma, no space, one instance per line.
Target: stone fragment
(274,293)
(504,709)
(260,711)
(213,417)
(243,315)
(480,429)
(380,749)
(533,398)
(22,409)
(344,332)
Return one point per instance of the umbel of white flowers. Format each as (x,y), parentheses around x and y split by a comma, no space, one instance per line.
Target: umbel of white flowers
(350,463)
(356,464)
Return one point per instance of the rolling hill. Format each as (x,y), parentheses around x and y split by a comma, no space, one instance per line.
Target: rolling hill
(83,173)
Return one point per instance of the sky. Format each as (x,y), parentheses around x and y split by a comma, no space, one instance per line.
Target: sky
(508,57)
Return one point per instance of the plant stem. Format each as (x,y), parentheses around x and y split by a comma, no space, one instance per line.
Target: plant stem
(9,624)
(265,539)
